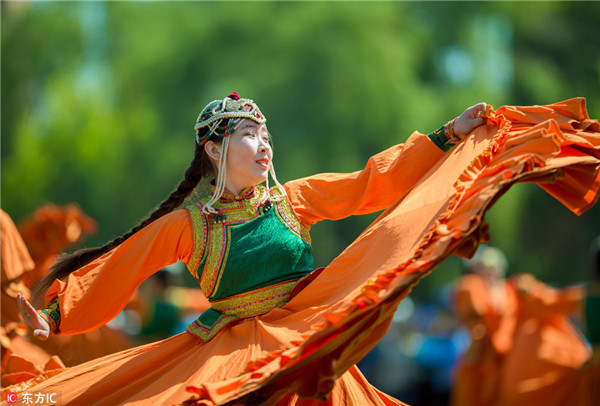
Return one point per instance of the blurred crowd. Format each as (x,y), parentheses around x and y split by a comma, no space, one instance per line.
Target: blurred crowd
(488,339)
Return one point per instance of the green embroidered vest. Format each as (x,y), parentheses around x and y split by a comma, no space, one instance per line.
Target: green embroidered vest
(248,259)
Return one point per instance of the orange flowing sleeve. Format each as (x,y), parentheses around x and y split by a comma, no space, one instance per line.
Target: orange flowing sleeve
(96,293)
(387,176)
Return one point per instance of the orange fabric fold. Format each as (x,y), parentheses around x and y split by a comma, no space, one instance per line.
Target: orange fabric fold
(79,348)
(20,369)
(15,259)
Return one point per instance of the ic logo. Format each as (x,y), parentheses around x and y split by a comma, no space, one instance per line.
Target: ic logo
(11,398)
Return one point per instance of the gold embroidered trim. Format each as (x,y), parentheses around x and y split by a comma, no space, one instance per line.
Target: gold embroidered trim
(247,304)
(234,212)
(223,258)
(286,214)
(200,236)
(207,332)
(215,237)
(255,302)
(216,247)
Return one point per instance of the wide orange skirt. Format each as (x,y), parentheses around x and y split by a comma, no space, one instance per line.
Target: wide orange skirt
(308,348)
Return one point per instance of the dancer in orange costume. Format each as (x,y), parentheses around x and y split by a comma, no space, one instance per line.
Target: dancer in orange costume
(487,305)
(277,330)
(542,366)
(524,351)
(21,360)
(49,231)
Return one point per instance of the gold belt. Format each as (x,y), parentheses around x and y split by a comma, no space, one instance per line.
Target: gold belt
(255,302)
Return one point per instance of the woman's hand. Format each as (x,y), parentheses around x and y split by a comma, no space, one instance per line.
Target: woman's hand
(40,327)
(470,119)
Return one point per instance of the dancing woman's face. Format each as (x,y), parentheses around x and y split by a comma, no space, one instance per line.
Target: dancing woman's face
(249,156)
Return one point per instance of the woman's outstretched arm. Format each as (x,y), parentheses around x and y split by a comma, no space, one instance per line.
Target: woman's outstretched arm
(96,293)
(386,178)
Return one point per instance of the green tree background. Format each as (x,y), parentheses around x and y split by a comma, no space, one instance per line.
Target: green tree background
(99,100)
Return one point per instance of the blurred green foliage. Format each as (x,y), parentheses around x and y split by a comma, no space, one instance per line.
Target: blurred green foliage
(99,100)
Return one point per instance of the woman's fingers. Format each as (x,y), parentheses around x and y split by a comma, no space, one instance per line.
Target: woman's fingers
(29,309)
(480,113)
(479,109)
(40,328)
(26,310)
(471,118)
(483,109)
(22,303)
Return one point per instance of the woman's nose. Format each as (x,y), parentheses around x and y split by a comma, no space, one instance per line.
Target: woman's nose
(264,147)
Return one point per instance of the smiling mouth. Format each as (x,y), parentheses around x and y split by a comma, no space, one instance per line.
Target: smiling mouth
(263,162)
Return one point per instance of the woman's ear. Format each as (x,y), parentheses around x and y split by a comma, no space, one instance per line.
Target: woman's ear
(213,150)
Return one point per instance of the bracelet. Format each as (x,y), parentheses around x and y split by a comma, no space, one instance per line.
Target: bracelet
(449,130)
(51,314)
(444,136)
(48,319)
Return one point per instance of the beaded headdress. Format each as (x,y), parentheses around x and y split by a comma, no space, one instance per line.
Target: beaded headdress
(221,118)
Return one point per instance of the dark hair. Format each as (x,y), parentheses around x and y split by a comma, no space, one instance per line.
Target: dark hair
(200,167)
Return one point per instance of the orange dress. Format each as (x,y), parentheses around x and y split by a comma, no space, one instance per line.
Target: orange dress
(492,325)
(304,351)
(545,361)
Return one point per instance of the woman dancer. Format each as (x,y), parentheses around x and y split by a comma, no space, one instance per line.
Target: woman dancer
(278,331)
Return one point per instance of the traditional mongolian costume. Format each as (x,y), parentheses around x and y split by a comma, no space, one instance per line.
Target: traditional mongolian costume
(487,305)
(278,331)
(524,349)
(544,364)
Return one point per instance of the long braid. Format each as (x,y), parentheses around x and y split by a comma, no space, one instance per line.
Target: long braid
(199,167)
